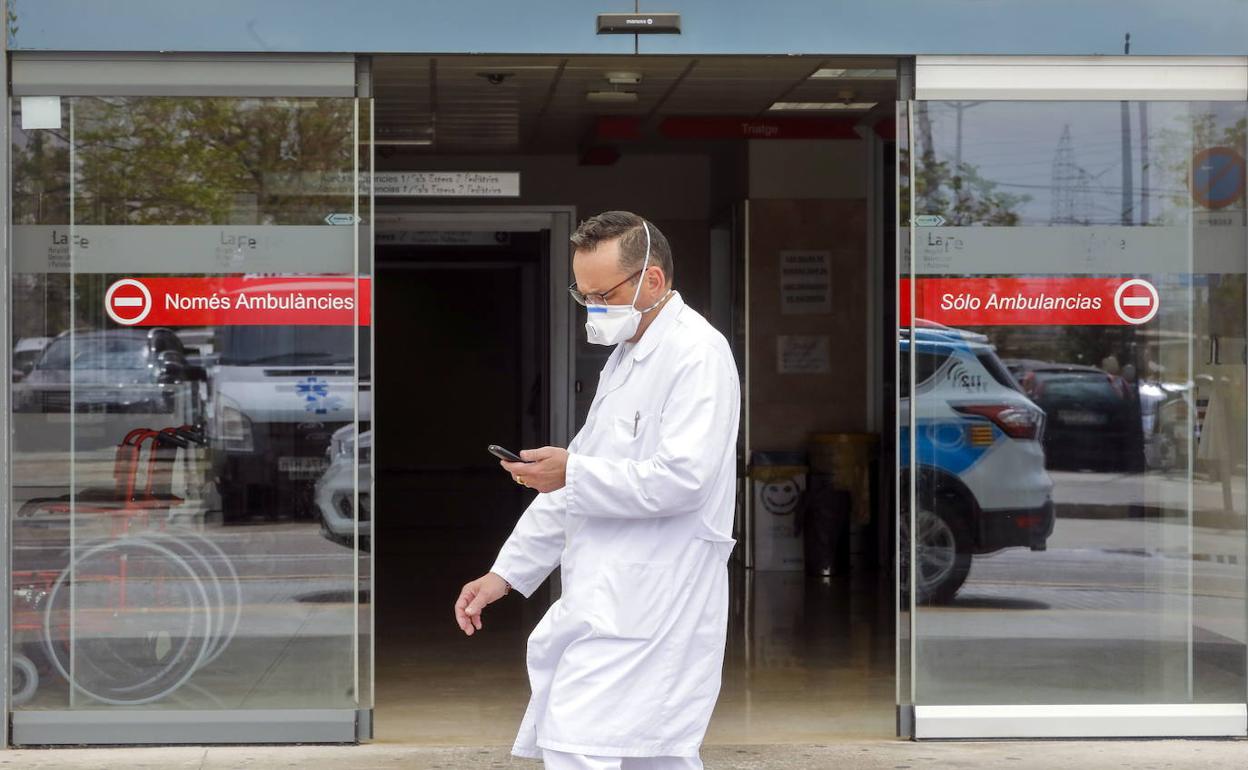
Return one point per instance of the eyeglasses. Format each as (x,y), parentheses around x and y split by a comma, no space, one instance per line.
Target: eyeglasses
(597,298)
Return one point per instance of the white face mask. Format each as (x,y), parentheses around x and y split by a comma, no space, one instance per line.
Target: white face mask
(613,324)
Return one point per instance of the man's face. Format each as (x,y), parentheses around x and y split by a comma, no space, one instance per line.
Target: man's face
(599,272)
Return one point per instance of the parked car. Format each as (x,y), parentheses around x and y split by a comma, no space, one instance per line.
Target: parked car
(980,472)
(335,489)
(26,352)
(1094,417)
(112,370)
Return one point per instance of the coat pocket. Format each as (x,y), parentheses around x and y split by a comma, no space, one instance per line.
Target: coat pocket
(723,545)
(632,435)
(635,598)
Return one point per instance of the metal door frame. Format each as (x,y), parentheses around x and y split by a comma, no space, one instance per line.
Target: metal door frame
(173,75)
(522,218)
(6,377)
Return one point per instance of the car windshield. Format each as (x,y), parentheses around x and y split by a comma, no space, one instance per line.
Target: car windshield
(286,345)
(927,361)
(100,352)
(1085,388)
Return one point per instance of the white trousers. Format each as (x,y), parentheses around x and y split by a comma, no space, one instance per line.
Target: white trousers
(559,760)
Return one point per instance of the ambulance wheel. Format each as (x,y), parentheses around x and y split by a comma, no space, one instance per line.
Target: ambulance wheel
(25,679)
(233,502)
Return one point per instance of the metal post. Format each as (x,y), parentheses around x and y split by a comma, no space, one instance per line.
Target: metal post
(5,377)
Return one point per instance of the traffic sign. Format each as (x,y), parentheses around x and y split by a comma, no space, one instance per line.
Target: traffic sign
(341,219)
(127,302)
(1136,301)
(1217,177)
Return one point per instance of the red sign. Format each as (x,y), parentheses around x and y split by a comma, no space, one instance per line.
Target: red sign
(1136,301)
(128,302)
(713,127)
(324,300)
(1048,301)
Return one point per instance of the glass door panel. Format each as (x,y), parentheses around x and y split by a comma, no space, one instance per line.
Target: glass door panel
(187,530)
(1072,401)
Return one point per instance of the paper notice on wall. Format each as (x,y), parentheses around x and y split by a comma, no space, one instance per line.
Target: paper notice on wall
(805,282)
(803,354)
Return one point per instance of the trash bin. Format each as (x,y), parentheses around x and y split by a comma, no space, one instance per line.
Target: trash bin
(779,489)
(826,526)
(840,465)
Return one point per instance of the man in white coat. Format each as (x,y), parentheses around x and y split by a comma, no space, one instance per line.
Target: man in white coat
(637,511)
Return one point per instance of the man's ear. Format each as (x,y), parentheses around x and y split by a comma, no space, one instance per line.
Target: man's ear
(655,278)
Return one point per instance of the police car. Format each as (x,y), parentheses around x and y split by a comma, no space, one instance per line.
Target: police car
(980,476)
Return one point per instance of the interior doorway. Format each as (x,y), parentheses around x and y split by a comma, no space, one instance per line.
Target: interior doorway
(739,161)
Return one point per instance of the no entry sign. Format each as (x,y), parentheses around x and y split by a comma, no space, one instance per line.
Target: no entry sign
(1047,301)
(128,302)
(1136,301)
(326,300)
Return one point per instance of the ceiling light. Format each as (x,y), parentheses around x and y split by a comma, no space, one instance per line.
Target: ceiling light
(623,78)
(819,106)
(612,97)
(401,142)
(833,73)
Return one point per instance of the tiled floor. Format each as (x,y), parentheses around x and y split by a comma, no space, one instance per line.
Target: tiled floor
(842,755)
(808,660)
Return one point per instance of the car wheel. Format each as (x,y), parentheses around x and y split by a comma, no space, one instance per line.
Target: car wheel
(942,551)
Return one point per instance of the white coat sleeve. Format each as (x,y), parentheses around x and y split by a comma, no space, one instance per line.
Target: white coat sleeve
(535,544)
(696,427)
(533,549)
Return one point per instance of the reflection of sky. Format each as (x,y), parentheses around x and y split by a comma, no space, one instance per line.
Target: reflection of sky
(1014,144)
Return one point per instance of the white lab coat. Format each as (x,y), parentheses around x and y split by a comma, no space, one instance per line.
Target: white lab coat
(627,661)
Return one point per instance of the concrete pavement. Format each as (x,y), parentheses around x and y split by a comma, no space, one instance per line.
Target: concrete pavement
(893,755)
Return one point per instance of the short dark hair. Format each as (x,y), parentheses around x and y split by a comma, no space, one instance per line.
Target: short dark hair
(630,229)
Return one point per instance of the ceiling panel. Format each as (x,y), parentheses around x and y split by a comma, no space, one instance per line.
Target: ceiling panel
(482,104)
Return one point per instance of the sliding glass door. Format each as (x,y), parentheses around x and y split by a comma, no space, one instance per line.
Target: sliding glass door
(190,418)
(1073,348)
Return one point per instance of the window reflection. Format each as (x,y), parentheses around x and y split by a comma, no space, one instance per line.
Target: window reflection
(1137,593)
(170,479)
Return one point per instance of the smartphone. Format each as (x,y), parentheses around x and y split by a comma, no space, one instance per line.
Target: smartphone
(504,454)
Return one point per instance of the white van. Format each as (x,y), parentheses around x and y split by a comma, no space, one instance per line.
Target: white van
(278,395)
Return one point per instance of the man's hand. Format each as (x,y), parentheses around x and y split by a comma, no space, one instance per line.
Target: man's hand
(473,598)
(543,469)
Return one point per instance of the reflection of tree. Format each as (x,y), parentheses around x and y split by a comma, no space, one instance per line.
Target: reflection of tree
(964,198)
(958,192)
(172,161)
(180,161)
(207,161)
(40,178)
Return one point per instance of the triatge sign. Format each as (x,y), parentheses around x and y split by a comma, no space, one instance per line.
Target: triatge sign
(406,184)
(805,282)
